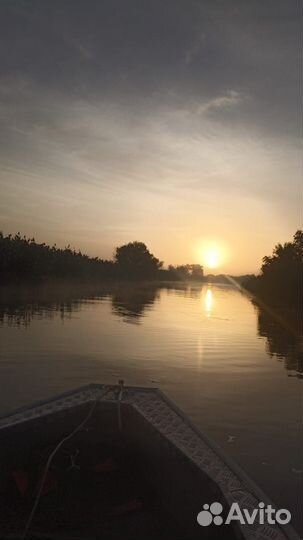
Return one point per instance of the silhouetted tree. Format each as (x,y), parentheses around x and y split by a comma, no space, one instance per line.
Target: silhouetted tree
(281,277)
(23,258)
(196,271)
(134,260)
(186,272)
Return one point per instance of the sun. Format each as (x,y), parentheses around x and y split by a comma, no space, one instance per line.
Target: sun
(211,257)
(212,254)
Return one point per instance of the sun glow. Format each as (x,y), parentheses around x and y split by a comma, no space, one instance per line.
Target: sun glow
(212,254)
(212,258)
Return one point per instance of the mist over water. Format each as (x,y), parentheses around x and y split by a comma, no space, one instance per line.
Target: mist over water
(232,367)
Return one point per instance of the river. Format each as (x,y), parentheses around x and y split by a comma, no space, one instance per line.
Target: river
(234,369)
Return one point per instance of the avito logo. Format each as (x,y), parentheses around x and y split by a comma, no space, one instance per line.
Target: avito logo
(262,514)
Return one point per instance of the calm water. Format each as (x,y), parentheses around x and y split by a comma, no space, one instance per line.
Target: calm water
(236,371)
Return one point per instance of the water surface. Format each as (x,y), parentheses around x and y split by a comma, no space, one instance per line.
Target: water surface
(234,369)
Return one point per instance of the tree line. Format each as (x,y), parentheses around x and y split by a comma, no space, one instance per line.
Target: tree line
(22,258)
(280,281)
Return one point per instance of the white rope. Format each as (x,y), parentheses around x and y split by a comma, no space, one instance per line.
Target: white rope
(48,463)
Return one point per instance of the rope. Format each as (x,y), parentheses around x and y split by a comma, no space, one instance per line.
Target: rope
(119,399)
(48,463)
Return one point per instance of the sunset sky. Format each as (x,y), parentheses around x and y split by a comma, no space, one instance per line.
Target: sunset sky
(176,123)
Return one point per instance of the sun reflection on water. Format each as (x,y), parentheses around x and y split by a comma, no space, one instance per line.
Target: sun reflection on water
(209,302)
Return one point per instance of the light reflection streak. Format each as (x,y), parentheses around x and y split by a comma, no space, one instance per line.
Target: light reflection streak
(209,302)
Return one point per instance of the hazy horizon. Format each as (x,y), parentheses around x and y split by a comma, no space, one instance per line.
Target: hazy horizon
(174,123)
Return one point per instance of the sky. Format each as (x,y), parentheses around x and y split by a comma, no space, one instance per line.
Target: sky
(172,122)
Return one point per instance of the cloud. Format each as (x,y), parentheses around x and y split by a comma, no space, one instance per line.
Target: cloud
(194,49)
(131,109)
(230,99)
(14,85)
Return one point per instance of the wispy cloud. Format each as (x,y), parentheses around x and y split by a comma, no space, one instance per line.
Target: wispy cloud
(12,85)
(230,99)
(181,120)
